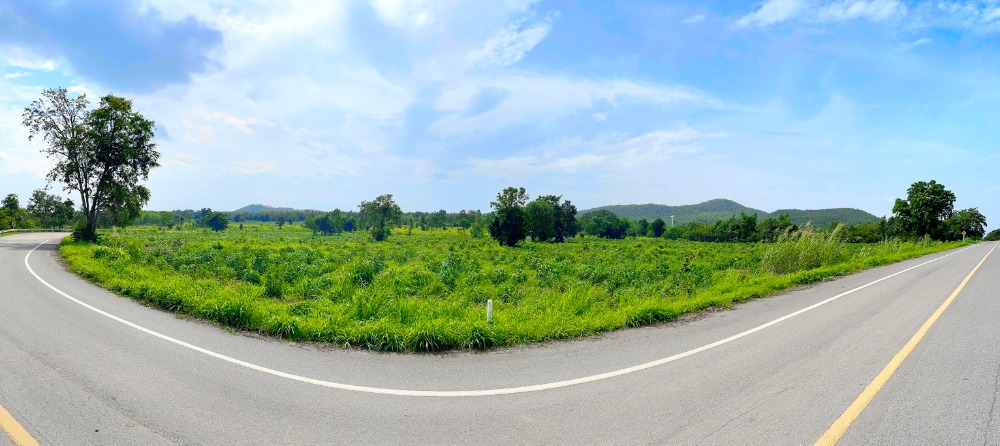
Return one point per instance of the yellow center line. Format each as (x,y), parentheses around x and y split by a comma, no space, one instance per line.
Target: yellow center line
(840,426)
(14,430)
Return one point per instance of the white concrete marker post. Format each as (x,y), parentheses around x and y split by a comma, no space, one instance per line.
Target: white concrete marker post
(489,310)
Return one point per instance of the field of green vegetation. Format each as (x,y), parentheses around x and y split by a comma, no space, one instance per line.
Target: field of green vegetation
(428,290)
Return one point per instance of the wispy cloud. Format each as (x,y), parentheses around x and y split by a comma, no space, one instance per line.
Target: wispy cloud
(693,19)
(914,44)
(875,10)
(402,13)
(772,12)
(510,45)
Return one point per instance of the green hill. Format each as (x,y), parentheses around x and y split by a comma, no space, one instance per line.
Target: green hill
(259,208)
(721,209)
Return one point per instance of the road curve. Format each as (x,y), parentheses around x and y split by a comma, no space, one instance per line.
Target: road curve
(71,375)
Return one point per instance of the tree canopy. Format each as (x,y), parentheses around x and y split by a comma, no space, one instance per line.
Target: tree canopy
(102,153)
(380,215)
(929,211)
(50,210)
(509,225)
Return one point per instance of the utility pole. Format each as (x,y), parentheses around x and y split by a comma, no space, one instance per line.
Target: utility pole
(671,221)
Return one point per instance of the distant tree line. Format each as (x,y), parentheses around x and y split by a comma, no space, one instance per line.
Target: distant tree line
(43,210)
(927,212)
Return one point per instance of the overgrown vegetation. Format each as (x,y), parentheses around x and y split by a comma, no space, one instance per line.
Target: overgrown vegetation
(428,291)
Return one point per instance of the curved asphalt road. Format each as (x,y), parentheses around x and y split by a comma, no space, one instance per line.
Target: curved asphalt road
(71,376)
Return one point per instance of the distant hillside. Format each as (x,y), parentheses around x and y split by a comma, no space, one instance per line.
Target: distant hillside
(258,208)
(721,209)
(822,218)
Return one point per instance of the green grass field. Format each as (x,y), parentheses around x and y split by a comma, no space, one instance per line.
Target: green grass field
(428,291)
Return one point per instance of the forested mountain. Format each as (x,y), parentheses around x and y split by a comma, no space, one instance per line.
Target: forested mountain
(261,208)
(721,209)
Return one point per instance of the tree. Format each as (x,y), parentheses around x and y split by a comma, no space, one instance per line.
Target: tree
(604,223)
(11,203)
(658,227)
(509,224)
(11,214)
(969,221)
(50,210)
(566,223)
(216,221)
(642,228)
(541,216)
(993,236)
(925,209)
(103,153)
(548,220)
(380,215)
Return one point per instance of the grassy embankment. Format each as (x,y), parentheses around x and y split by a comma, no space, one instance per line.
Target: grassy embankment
(428,291)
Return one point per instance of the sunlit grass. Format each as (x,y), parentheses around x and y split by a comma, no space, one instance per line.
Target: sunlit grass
(428,291)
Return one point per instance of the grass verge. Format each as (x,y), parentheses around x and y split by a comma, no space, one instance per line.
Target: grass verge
(428,291)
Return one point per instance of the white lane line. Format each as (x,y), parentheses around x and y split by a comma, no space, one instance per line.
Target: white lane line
(469,393)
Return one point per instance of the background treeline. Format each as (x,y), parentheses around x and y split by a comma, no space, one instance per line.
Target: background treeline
(926,213)
(43,210)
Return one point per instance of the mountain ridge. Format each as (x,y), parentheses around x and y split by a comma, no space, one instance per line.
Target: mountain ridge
(721,209)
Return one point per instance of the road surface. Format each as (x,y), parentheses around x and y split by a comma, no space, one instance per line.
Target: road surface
(81,366)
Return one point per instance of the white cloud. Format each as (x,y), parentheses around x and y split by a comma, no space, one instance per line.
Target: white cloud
(771,12)
(540,99)
(777,11)
(511,44)
(402,13)
(16,74)
(914,44)
(875,10)
(693,19)
(19,57)
(592,156)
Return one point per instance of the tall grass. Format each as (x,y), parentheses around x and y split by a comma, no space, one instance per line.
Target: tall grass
(428,291)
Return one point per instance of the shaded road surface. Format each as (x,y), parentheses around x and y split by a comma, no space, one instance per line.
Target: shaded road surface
(72,376)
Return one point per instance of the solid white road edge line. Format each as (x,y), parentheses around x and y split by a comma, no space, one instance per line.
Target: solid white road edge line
(468,393)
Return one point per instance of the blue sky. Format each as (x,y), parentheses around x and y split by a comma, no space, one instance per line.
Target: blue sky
(776,104)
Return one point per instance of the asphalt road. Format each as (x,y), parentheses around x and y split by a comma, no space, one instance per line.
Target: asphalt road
(73,376)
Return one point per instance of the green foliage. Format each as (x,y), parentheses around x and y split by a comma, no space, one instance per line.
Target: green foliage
(965,223)
(428,292)
(216,221)
(923,213)
(11,203)
(327,224)
(50,211)
(380,216)
(603,223)
(658,227)
(509,225)
(11,214)
(993,236)
(549,221)
(103,153)
(803,250)
(715,210)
